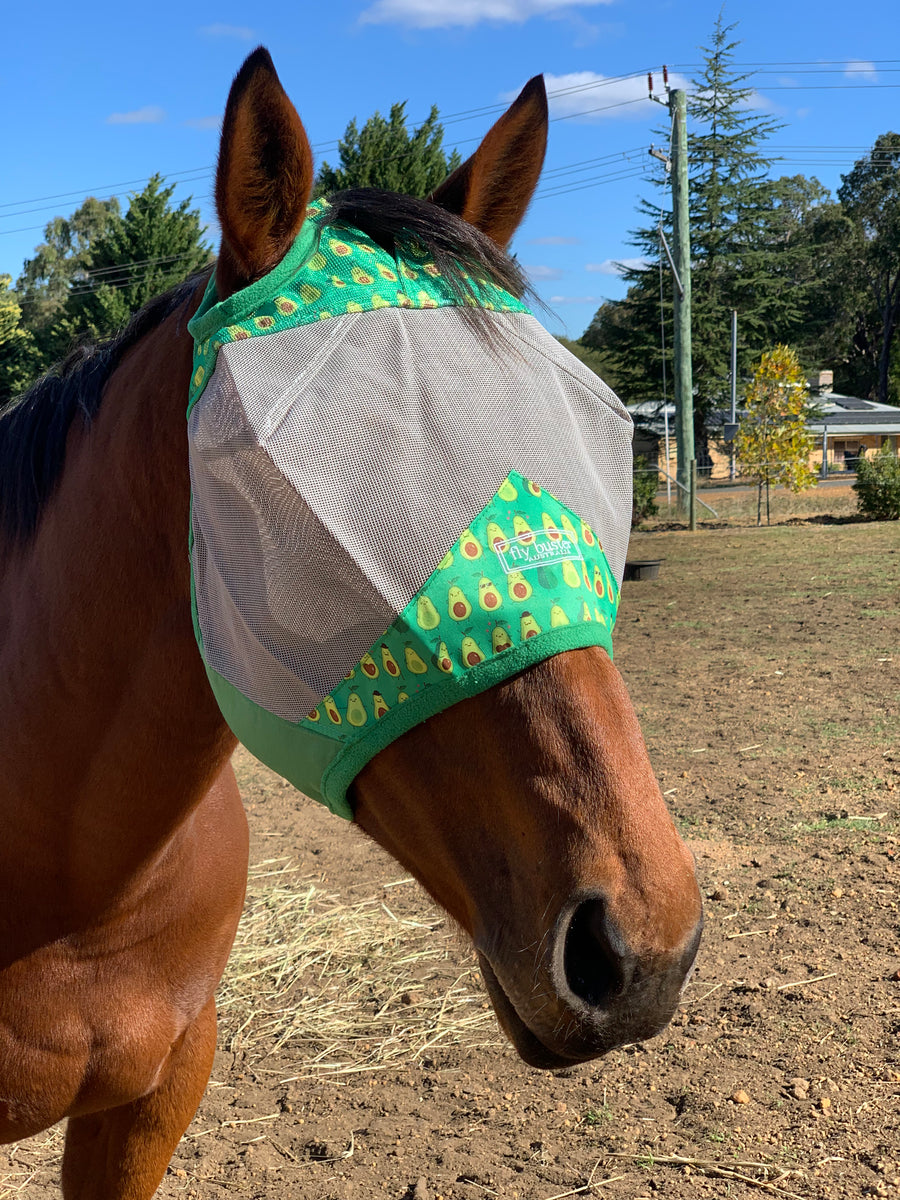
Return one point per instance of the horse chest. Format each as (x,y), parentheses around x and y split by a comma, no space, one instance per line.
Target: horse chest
(99,1038)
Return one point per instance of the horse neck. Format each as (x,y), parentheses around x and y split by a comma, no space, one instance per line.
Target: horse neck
(110,731)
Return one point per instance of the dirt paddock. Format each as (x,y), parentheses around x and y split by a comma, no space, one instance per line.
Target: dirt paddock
(358,1057)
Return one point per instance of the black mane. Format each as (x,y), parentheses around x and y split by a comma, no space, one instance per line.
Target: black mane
(458,248)
(34,428)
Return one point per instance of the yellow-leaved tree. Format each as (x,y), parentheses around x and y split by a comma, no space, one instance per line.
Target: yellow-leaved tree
(772,442)
(15,344)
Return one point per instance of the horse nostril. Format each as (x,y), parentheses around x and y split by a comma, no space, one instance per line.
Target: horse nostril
(596,961)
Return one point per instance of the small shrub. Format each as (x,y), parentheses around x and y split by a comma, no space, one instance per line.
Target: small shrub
(643,504)
(877,486)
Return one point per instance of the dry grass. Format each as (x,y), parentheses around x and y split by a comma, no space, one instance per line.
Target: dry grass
(351,987)
(30,1161)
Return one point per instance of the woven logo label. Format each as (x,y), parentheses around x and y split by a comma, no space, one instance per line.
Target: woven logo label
(539,548)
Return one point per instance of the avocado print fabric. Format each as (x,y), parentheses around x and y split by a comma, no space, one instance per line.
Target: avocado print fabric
(340,271)
(390,512)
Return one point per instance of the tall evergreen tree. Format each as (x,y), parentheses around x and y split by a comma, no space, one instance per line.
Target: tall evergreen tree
(384,154)
(743,249)
(155,245)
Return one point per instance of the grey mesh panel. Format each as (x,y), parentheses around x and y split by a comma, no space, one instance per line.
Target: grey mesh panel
(334,464)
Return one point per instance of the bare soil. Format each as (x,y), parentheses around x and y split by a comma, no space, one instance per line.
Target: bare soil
(359,1057)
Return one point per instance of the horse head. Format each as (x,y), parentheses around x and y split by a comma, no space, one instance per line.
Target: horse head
(526,803)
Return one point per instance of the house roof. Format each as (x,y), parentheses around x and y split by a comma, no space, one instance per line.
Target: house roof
(842,416)
(850,415)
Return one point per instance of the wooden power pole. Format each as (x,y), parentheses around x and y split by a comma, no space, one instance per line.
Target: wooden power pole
(680,263)
(681,253)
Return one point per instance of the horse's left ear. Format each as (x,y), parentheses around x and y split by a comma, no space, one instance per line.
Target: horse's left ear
(264,176)
(493,188)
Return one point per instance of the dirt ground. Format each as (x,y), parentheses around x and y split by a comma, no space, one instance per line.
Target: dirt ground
(358,1056)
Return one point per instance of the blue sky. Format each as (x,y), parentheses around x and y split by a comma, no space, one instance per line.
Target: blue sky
(99,96)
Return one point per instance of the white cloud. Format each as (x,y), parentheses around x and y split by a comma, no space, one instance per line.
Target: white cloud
(576,299)
(438,14)
(556,240)
(591,97)
(203,122)
(615,266)
(541,272)
(152,114)
(241,32)
(858,66)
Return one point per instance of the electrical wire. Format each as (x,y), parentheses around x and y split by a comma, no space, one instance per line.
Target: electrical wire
(197,174)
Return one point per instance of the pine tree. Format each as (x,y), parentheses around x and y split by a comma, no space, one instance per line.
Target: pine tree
(383,154)
(744,251)
(154,246)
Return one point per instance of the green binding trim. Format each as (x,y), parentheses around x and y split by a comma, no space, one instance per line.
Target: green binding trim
(346,765)
(214,314)
(526,580)
(274,741)
(329,271)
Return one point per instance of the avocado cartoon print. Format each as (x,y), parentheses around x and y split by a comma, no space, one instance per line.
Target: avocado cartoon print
(488,597)
(457,605)
(514,584)
(427,616)
(500,639)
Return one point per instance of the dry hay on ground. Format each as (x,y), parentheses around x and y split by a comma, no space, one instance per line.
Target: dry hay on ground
(347,988)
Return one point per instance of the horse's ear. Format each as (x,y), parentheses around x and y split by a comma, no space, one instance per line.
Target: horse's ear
(493,188)
(264,176)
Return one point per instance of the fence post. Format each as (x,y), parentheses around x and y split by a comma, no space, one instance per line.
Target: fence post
(693,498)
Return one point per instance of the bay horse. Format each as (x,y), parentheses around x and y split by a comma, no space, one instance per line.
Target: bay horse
(530,812)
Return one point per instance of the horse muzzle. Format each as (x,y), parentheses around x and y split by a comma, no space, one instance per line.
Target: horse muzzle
(590,991)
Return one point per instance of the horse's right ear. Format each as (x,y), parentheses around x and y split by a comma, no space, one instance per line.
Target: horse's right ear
(264,177)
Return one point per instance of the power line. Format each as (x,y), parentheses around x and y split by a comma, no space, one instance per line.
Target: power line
(569,168)
(824,62)
(197,174)
(101,188)
(450,118)
(394,158)
(633,173)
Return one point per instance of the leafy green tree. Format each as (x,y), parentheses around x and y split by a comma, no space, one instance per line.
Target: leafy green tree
(16,345)
(772,442)
(384,154)
(592,359)
(870,200)
(830,292)
(60,263)
(98,266)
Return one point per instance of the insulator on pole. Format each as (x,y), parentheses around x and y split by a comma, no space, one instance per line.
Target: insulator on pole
(650,83)
(665,75)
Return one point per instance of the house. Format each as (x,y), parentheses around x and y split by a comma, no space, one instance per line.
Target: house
(844,427)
